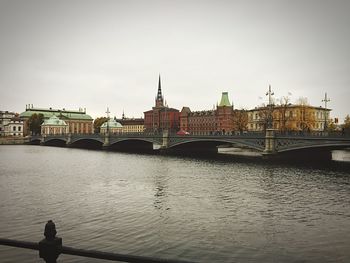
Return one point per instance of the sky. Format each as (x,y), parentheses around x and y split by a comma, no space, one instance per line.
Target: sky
(98,54)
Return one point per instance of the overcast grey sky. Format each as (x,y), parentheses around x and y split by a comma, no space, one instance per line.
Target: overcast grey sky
(94,54)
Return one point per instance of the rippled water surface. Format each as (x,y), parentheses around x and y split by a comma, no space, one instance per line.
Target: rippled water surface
(204,210)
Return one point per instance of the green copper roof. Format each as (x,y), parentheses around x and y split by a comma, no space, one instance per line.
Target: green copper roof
(111,124)
(224,100)
(54,121)
(62,114)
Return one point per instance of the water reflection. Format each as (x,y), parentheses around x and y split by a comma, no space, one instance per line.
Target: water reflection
(341,155)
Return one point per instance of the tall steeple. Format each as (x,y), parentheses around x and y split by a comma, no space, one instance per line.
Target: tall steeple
(159,98)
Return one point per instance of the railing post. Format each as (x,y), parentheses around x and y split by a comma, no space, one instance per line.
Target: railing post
(50,247)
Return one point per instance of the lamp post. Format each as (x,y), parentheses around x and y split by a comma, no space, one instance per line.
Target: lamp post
(107,130)
(270,105)
(325,100)
(270,143)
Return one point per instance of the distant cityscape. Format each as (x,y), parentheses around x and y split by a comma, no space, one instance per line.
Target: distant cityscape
(222,119)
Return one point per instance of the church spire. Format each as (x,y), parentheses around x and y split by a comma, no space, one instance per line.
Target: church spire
(159,98)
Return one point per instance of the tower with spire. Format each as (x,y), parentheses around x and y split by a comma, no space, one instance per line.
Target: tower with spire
(161,117)
(159,97)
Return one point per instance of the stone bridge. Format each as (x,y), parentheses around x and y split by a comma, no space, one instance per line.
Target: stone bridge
(269,143)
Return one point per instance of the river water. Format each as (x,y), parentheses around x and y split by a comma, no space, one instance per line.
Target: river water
(203,210)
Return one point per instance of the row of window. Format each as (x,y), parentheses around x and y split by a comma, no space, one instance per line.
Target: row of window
(318,114)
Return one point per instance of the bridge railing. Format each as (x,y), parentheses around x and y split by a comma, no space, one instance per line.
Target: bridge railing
(219,134)
(51,247)
(329,134)
(259,134)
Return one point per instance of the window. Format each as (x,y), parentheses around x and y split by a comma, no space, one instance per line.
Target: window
(14,128)
(19,128)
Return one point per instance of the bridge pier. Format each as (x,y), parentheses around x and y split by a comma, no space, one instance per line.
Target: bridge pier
(165,143)
(106,142)
(69,139)
(270,142)
(42,140)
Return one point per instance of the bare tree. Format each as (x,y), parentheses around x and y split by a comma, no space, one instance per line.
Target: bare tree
(305,115)
(282,111)
(240,120)
(264,113)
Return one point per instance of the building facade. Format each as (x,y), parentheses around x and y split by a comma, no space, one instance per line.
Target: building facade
(161,117)
(132,125)
(5,119)
(221,120)
(289,118)
(53,126)
(78,121)
(14,128)
(111,126)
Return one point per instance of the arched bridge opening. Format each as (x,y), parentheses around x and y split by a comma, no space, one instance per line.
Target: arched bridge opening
(55,142)
(132,145)
(196,147)
(35,142)
(211,145)
(87,144)
(312,153)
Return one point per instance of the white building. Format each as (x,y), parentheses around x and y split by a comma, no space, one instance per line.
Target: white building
(5,118)
(14,127)
(54,125)
(111,126)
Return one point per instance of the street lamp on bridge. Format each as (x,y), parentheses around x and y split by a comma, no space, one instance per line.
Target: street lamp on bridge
(325,100)
(270,106)
(108,112)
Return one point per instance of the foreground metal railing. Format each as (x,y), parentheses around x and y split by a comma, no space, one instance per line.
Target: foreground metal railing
(51,247)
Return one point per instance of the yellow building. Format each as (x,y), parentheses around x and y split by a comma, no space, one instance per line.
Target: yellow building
(132,125)
(289,118)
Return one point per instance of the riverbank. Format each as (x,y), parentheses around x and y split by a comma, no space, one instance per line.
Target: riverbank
(13,140)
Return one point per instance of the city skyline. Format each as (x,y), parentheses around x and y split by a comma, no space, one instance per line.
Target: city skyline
(109,54)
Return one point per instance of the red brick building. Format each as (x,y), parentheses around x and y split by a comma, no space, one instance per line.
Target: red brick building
(221,120)
(161,117)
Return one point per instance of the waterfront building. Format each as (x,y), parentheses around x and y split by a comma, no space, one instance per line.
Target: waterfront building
(14,127)
(53,126)
(111,126)
(290,117)
(5,118)
(161,117)
(221,120)
(78,121)
(131,125)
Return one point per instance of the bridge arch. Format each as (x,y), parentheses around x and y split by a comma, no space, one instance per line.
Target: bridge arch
(87,143)
(61,142)
(252,143)
(131,144)
(315,147)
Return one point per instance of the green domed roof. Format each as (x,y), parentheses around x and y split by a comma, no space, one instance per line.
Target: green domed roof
(112,123)
(54,121)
